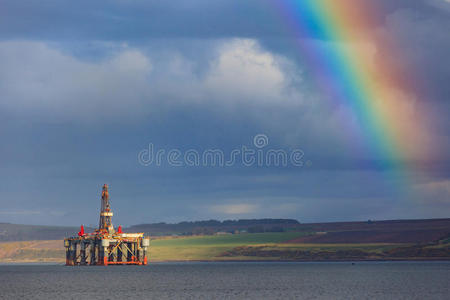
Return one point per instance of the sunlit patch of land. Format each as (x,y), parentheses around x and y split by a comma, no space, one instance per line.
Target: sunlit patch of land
(212,247)
(246,246)
(32,251)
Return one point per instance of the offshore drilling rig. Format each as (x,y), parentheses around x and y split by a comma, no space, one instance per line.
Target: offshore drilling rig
(106,246)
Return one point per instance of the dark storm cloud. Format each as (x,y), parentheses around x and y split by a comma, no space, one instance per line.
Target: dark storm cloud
(136,19)
(86,85)
(127,20)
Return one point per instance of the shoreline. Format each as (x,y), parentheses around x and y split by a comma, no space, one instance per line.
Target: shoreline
(419,259)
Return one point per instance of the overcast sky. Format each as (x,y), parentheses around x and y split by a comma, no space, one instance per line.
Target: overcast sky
(87,86)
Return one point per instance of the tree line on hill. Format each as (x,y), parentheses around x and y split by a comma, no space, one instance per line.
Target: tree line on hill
(387,231)
(19,232)
(215,226)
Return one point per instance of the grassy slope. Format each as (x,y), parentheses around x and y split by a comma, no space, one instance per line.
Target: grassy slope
(258,246)
(32,251)
(209,247)
(162,249)
(212,247)
(18,232)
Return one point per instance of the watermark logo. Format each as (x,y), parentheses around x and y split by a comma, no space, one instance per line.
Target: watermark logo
(260,140)
(259,154)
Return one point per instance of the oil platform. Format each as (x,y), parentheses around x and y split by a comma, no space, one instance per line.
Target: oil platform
(106,246)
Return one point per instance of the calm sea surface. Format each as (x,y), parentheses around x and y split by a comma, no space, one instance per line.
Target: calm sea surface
(363,280)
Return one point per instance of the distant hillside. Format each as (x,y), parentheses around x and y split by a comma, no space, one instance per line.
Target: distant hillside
(269,246)
(391,231)
(17,232)
(214,226)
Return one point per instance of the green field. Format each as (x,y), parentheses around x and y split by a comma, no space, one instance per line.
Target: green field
(210,247)
(214,247)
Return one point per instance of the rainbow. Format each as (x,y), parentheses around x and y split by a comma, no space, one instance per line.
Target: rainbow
(353,63)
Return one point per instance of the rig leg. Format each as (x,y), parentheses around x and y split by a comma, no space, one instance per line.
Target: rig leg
(105,256)
(73,252)
(93,257)
(144,254)
(68,245)
(83,254)
(119,253)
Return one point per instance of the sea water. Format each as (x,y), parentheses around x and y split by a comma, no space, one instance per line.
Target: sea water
(226,280)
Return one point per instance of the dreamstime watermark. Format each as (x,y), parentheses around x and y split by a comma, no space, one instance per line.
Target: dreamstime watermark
(258,155)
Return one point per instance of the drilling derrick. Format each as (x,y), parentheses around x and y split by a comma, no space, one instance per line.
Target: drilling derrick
(105,224)
(106,246)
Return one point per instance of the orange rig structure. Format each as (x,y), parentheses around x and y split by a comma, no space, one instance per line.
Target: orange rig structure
(106,246)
